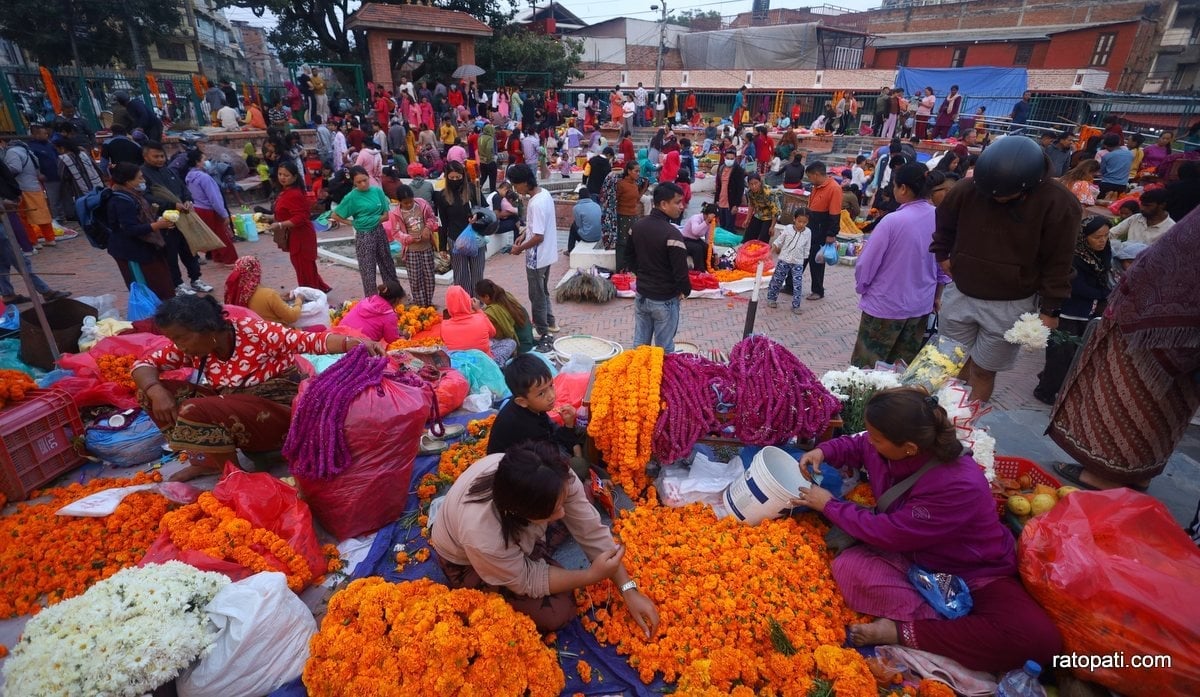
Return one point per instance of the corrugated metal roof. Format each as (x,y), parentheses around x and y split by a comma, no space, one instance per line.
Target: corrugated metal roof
(416,18)
(979,36)
(733,79)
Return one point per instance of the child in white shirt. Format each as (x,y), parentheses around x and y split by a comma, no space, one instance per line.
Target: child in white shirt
(791,245)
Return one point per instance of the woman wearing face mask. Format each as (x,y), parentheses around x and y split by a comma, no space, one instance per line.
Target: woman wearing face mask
(731,186)
(136,242)
(209,204)
(365,207)
(414,217)
(453,205)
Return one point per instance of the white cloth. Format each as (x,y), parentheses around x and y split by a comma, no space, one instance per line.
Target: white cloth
(539,214)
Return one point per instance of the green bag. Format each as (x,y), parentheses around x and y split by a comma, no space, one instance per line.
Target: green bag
(725,238)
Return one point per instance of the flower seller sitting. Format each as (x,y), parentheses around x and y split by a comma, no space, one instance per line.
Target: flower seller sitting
(490,534)
(935,511)
(249,379)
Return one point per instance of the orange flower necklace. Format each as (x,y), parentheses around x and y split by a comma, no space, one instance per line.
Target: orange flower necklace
(14,384)
(47,558)
(625,405)
(456,459)
(718,584)
(213,528)
(421,638)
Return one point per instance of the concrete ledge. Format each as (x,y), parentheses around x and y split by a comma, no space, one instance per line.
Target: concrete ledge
(589,254)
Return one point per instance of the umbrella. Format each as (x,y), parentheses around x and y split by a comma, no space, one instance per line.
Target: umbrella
(468,71)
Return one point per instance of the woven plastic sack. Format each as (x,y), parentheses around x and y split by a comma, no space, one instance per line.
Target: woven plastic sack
(752,252)
(1117,573)
(383,429)
(480,371)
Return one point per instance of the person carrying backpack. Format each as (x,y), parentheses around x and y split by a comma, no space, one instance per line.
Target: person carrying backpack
(34,212)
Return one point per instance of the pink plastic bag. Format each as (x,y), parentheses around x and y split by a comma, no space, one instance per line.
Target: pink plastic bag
(88,390)
(267,503)
(1117,573)
(383,428)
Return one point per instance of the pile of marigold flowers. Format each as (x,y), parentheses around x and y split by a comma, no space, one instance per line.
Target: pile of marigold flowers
(423,342)
(47,558)
(117,369)
(625,404)
(719,586)
(215,529)
(336,314)
(456,459)
(847,670)
(421,638)
(862,495)
(414,319)
(14,384)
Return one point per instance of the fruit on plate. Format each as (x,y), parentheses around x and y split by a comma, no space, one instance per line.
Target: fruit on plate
(1042,503)
(1064,490)
(1019,505)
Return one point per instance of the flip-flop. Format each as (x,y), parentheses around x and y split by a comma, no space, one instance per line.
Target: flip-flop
(450,431)
(1072,472)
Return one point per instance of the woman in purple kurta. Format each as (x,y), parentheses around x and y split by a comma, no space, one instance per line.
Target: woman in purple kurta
(945,523)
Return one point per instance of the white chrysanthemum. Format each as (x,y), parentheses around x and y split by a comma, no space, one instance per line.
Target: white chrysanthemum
(125,636)
(1029,333)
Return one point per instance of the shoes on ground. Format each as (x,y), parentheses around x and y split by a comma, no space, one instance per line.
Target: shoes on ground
(184,289)
(772,303)
(795,310)
(202,261)
(201,286)
(813,296)
(553,329)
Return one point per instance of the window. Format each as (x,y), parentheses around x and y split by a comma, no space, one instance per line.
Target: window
(171,51)
(1104,48)
(1024,54)
(902,58)
(959,58)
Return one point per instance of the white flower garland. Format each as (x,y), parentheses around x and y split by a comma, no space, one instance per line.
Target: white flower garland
(1029,333)
(984,447)
(125,636)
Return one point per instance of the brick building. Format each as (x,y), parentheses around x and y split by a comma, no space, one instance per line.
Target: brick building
(1120,37)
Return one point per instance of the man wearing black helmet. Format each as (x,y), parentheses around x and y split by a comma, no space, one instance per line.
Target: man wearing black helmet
(1006,237)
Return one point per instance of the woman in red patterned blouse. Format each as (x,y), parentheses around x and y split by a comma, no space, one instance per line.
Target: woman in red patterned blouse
(247,379)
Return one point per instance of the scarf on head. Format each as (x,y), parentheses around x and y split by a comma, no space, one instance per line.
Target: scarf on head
(1155,305)
(1098,263)
(243,281)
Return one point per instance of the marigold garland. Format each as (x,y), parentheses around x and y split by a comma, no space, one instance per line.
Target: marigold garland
(14,385)
(421,638)
(215,529)
(47,558)
(456,459)
(584,670)
(117,369)
(716,584)
(625,405)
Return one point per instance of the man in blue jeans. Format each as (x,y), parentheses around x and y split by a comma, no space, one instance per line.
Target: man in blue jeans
(658,256)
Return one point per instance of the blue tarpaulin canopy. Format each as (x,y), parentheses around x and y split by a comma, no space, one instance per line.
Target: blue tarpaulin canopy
(998,89)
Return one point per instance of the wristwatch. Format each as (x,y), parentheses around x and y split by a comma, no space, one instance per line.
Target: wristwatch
(628,586)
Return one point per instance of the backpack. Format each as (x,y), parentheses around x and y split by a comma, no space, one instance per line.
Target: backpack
(92,211)
(10,190)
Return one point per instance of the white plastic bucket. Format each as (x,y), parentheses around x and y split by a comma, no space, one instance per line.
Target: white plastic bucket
(766,491)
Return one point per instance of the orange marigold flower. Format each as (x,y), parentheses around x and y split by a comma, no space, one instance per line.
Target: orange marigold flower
(933,688)
(585,671)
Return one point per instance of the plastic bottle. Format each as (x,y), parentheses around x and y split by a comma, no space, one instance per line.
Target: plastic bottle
(1022,682)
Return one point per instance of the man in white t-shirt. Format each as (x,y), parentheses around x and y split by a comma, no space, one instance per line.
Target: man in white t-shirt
(630,115)
(539,241)
(640,95)
(227,116)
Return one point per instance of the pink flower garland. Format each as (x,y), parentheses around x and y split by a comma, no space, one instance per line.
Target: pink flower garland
(777,396)
(690,404)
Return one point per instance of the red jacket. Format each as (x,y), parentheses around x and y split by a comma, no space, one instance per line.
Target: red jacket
(764,148)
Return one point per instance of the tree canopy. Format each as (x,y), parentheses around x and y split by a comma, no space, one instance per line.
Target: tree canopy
(516,49)
(101,28)
(687,17)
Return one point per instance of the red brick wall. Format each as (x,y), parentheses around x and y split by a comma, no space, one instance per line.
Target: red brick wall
(1075,49)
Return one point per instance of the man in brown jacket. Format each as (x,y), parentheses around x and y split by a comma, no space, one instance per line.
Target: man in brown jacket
(1007,237)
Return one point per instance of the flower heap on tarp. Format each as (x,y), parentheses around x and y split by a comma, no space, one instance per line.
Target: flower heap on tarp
(423,342)
(847,670)
(456,459)
(625,406)
(720,586)
(46,557)
(421,638)
(127,635)
(14,384)
(414,319)
(215,529)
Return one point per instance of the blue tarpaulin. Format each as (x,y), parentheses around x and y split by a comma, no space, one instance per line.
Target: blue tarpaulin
(998,89)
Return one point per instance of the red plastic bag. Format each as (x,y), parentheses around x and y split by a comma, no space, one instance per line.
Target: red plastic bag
(267,503)
(1117,573)
(383,428)
(569,389)
(87,389)
(752,252)
(452,390)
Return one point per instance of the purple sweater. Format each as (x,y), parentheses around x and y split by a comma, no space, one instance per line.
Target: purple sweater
(946,522)
(896,275)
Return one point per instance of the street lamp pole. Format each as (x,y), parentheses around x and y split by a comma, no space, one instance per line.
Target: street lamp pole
(662,38)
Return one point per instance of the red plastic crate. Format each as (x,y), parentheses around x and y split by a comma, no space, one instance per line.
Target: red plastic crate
(1012,468)
(36,434)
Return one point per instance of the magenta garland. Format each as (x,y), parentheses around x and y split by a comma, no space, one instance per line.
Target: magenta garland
(690,404)
(316,445)
(777,396)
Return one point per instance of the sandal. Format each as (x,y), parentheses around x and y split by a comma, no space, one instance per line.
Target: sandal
(448,431)
(431,445)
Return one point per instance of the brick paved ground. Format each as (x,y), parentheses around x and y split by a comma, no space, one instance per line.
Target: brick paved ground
(822,336)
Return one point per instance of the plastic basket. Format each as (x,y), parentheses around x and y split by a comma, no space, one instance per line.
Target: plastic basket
(37,436)
(1015,467)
